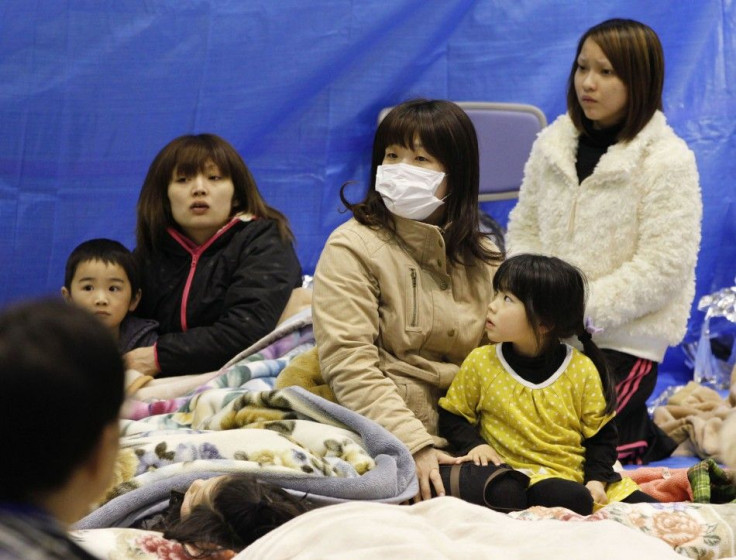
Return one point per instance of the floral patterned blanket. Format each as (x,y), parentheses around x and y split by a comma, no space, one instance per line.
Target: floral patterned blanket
(255,368)
(704,531)
(289,436)
(230,423)
(231,420)
(449,528)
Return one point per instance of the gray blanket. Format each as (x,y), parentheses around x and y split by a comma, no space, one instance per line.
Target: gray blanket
(391,480)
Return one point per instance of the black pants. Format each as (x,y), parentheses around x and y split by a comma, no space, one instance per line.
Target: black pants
(557,492)
(500,488)
(640,439)
(504,489)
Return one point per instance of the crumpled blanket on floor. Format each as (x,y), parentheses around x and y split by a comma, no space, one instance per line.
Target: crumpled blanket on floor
(705,482)
(664,484)
(693,417)
(704,531)
(448,528)
(289,437)
(441,528)
(255,368)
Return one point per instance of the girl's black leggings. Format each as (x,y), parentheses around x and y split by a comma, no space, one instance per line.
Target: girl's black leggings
(503,489)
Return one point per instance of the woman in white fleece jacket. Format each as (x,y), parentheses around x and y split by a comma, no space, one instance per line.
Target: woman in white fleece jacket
(612,189)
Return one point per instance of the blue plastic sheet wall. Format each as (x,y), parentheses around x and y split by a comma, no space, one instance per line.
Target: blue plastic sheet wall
(90,90)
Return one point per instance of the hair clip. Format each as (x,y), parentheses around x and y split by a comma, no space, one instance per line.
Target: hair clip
(591,328)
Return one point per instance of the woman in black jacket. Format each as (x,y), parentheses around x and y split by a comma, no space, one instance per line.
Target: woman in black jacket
(218,263)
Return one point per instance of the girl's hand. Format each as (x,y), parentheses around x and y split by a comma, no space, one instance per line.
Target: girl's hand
(481,455)
(598,490)
(143,360)
(428,472)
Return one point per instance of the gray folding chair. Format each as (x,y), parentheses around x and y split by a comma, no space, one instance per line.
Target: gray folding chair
(506,132)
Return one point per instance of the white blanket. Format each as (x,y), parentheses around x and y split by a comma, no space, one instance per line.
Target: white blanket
(447,529)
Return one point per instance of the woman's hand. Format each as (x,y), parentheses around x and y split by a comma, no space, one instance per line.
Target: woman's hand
(428,472)
(481,455)
(598,490)
(143,360)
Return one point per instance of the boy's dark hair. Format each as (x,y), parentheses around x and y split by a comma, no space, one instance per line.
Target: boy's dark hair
(554,293)
(109,252)
(244,509)
(62,384)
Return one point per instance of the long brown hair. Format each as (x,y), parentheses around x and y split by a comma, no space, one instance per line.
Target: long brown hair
(447,134)
(189,155)
(636,54)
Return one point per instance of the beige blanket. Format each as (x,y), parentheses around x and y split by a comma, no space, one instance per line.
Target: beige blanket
(693,417)
(447,528)
(442,528)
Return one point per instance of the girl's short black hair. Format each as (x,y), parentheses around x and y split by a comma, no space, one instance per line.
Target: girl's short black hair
(554,293)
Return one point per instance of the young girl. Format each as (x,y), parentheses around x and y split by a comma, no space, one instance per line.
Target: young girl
(228,512)
(612,189)
(533,402)
(218,263)
(400,289)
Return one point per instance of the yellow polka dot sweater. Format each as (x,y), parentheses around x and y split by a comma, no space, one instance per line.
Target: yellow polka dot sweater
(536,428)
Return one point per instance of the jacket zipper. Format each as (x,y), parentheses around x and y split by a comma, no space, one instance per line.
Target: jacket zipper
(187,287)
(195,252)
(414,297)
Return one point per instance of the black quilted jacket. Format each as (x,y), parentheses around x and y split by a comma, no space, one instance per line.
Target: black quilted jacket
(215,300)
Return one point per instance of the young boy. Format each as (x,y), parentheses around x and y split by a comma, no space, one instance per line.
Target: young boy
(102,277)
(62,388)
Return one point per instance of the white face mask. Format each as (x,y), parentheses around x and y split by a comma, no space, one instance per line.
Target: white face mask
(408,190)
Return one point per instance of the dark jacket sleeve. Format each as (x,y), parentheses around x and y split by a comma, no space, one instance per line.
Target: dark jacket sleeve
(461,434)
(600,455)
(264,273)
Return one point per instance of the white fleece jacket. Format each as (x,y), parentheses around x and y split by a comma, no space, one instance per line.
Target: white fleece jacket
(633,227)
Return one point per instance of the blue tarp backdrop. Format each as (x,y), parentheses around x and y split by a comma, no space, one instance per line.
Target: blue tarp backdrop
(91,90)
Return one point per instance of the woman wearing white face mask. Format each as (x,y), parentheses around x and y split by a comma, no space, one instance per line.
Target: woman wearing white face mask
(401,289)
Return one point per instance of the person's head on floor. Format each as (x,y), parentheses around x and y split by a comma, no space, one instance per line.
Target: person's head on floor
(231,511)
(62,379)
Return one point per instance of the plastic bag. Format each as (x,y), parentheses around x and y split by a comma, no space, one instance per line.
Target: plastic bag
(715,355)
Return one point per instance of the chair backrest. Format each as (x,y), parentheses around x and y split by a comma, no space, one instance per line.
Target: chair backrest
(506,132)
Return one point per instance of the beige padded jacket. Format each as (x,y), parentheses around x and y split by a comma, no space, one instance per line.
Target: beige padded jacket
(393,323)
